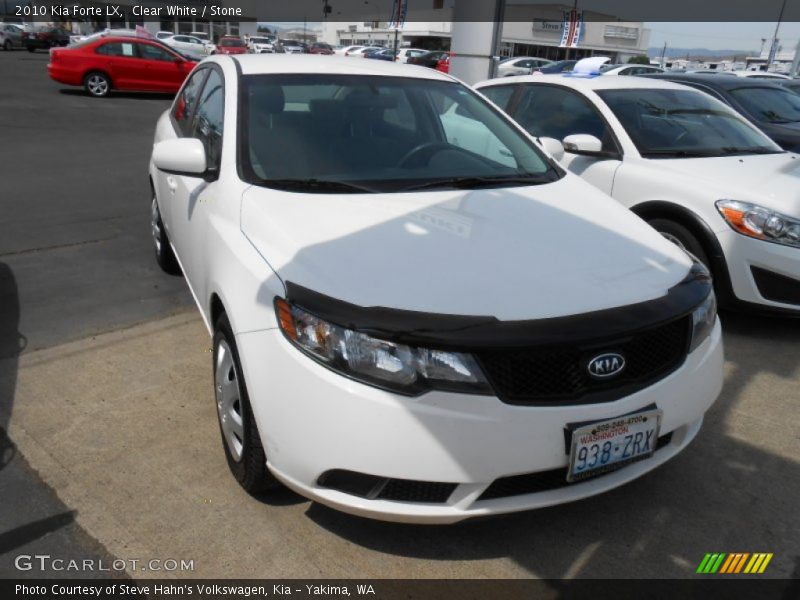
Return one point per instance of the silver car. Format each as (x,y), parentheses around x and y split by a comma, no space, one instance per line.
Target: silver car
(10,36)
(521,65)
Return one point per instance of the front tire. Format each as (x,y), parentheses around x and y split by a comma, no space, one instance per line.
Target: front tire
(97,84)
(244,450)
(7,46)
(165,257)
(681,237)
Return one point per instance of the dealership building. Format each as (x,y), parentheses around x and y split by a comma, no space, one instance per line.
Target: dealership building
(527,31)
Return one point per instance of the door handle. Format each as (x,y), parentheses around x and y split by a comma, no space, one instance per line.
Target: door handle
(172,184)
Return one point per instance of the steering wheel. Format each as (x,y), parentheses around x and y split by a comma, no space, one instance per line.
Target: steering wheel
(420,155)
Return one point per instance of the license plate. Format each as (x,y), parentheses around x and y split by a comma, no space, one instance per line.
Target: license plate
(608,445)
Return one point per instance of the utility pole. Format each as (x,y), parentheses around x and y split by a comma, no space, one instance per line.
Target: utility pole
(663,53)
(773,49)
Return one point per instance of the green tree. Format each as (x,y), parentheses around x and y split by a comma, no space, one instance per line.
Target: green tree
(639,59)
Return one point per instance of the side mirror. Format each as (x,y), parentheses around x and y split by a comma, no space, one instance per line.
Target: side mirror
(582,143)
(184,156)
(553,147)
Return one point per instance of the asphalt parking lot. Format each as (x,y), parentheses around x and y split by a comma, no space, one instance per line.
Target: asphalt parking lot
(109,434)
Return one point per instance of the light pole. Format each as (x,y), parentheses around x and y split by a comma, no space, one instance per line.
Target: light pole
(774,46)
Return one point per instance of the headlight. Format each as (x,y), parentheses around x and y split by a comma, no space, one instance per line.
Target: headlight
(703,319)
(384,364)
(760,223)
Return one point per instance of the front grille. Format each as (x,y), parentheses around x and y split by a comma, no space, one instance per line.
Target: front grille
(373,487)
(558,374)
(542,481)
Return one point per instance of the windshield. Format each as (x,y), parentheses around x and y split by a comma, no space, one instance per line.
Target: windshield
(379,134)
(683,123)
(231,42)
(769,104)
(257,40)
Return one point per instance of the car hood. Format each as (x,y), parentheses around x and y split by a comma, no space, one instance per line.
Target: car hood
(772,180)
(512,253)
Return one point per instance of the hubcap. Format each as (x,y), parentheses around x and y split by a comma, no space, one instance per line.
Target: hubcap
(97,85)
(155,225)
(229,403)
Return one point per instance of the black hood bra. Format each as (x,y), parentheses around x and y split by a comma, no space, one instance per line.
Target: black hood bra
(463,332)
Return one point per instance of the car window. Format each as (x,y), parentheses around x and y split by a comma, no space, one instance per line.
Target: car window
(670,123)
(389,133)
(771,105)
(208,124)
(150,52)
(499,94)
(550,111)
(125,49)
(525,64)
(183,109)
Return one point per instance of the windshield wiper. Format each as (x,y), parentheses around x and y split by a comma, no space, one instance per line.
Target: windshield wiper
(472,182)
(320,186)
(749,150)
(680,153)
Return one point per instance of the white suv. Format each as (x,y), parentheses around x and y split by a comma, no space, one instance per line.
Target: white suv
(404,327)
(690,165)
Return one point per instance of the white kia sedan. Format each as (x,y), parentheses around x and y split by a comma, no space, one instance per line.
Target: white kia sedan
(417,315)
(691,166)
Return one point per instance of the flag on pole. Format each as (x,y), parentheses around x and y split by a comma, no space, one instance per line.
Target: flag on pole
(573,28)
(142,32)
(399,10)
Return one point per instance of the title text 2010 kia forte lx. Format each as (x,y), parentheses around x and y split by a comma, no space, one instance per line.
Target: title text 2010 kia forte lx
(417,315)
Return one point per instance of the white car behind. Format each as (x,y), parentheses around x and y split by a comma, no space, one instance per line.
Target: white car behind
(690,165)
(191,44)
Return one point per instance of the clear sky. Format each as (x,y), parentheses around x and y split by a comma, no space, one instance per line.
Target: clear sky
(719,36)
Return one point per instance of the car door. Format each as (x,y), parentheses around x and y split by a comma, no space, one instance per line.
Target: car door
(165,71)
(192,195)
(547,110)
(122,63)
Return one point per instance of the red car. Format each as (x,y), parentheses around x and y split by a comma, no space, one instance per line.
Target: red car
(320,48)
(231,45)
(444,64)
(120,63)
(45,37)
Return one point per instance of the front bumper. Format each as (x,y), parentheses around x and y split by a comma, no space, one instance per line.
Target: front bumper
(742,254)
(313,420)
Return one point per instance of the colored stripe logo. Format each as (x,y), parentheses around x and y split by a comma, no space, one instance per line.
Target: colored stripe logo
(734,563)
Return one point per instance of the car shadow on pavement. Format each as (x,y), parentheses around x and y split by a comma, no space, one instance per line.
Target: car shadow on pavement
(713,497)
(12,342)
(19,536)
(138,95)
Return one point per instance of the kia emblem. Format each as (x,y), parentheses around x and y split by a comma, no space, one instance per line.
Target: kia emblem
(606,365)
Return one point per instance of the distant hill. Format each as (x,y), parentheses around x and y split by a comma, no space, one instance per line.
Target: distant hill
(698,52)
